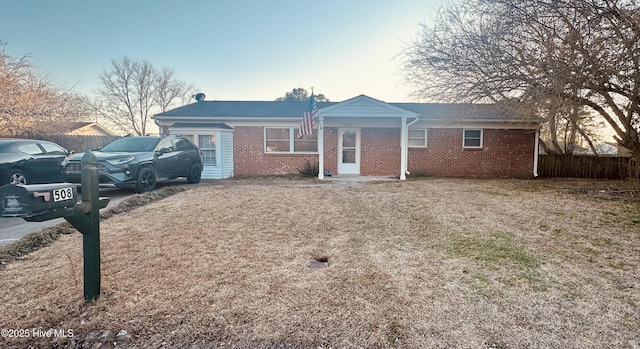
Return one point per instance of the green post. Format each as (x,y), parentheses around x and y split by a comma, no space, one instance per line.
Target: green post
(86,218)
(91,235)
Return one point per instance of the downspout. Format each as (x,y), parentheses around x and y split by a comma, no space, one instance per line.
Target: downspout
(161,129)
(406,153)
(536,154)
(403,148)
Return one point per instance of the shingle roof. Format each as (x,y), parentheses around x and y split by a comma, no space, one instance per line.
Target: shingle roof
(242,109)
(267,109)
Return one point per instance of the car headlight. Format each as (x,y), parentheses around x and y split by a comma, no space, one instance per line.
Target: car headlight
(120,161)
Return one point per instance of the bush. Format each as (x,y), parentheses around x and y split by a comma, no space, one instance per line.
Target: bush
(309,170)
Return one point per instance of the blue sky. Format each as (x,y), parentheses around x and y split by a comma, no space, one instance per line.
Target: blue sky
(231,50)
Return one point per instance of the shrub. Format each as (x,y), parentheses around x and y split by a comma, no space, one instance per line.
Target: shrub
(309,170)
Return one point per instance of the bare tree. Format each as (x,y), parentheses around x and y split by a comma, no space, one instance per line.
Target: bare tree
(170,90)
(133,91)
(536,57)
(30,104)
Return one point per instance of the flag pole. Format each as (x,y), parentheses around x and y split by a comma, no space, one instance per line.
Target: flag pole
(320,146)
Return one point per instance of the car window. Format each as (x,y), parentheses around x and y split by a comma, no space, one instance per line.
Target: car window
(53,149)
(165,143)
(183,144)
(130,145)
(31,149)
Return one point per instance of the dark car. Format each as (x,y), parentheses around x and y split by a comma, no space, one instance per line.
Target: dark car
(30,161)
(139,162)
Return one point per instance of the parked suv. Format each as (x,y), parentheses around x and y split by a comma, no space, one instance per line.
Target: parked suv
(138,162)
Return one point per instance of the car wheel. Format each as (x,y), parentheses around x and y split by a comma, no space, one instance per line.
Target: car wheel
(195,173)
(146,180)
(17,177)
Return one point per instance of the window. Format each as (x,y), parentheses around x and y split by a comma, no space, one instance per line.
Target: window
(53,149)
(165,144)
(207,145)
(277,140)
(183,144)
(306,144)
(472,139)
(285,140)
(31,149)
(417,138)
(189,137)
(205,142)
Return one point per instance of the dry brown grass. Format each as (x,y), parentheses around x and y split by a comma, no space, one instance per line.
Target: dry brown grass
(436,263)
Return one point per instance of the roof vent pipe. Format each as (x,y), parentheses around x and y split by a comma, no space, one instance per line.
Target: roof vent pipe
(199,97)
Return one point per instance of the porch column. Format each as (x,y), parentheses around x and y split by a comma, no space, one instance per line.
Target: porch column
(403,148)
(320,147)
(536,153)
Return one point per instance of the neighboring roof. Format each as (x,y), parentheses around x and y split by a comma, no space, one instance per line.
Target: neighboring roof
(86,128)
(288,109)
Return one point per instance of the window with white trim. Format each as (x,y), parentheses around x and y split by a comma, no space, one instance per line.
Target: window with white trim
(417,138)
(207,145)
(206,142)
(285,140)
(472,138)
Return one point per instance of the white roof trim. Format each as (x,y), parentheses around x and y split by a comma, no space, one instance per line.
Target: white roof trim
(365,106)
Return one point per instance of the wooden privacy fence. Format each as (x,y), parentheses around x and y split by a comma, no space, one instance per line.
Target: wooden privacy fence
(76,143)
(583,166)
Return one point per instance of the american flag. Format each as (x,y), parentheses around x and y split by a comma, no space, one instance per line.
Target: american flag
(306,125)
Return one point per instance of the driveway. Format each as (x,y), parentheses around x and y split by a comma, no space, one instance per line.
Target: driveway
(12,229)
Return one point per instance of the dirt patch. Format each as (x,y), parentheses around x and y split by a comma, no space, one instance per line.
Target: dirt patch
(444,263)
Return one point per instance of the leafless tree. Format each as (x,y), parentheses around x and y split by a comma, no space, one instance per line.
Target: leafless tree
(170,90)
(30,104)
(536,57)
(132,92)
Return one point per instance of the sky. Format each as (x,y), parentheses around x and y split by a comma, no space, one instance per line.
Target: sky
(230,50)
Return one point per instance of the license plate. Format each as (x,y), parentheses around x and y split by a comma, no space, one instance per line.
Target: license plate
(62,194)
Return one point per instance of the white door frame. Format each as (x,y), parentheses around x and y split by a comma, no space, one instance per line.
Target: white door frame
(349,168)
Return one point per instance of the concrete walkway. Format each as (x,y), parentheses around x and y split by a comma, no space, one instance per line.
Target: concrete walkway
(358,178)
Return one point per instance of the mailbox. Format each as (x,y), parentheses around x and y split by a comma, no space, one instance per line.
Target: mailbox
(36,199)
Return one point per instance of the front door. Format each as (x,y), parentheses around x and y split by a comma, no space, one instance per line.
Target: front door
(349,151)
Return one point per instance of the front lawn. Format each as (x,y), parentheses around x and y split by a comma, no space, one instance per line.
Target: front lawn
(434,263)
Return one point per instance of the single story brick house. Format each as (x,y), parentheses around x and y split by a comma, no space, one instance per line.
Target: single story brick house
(359,136)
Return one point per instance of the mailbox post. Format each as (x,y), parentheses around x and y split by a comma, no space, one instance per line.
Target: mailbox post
(42,202)
(89,225)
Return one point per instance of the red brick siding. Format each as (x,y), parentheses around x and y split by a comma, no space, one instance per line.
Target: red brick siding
(331,150)
(504,153)
(380,152)
(249,157)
